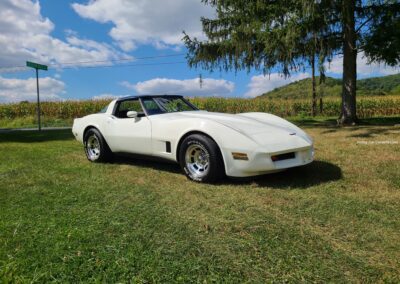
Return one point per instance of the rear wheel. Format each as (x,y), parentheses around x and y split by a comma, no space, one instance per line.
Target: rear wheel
(200,159)
(96,148)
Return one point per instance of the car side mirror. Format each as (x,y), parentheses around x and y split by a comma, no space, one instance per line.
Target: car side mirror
(132,114)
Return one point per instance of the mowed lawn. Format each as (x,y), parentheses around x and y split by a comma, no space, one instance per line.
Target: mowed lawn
(64,219)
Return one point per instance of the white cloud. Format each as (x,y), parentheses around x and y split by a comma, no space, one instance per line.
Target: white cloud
(106,96)
(189,87)
(26,35)
(156,22)
(16,90)
(363,68)
(127,85)
(261,84)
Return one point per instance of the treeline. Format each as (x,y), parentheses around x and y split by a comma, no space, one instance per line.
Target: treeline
(379,86)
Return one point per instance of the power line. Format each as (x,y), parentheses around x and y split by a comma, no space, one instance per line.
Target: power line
(118,60)
(124,65)
(102,61)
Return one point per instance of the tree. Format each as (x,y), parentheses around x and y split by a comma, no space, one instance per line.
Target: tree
(315,30)
(382,39)
(370,27)
(322,79)
(267,34)
(238,38)
(349,112)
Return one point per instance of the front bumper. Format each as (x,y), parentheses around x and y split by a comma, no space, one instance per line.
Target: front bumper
(260,162)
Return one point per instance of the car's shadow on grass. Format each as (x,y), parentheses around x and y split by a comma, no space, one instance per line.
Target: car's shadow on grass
(316,173)
(147,162)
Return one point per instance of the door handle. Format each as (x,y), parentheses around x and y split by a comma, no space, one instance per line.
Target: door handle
(110,118)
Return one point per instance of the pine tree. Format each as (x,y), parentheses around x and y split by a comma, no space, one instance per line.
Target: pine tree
(287,35)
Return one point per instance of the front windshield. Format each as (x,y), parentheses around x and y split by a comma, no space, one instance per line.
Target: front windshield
(157,105)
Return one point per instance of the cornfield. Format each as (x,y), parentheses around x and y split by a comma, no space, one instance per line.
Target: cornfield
(366,107)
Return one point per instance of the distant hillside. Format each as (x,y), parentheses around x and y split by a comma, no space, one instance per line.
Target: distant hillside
(378,86)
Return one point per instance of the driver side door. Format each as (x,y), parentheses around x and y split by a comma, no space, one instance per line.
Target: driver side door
(129,135)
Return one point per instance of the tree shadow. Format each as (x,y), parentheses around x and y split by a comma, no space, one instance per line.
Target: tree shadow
(372,132)
(332,122)
(381,121)
(318,172)
(34,136)
(369,126)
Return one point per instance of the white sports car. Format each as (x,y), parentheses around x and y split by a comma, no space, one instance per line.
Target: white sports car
(207,145)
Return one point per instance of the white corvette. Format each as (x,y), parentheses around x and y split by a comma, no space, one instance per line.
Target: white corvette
(207,145)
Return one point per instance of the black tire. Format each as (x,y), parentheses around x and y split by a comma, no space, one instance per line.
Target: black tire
(93,136)
(203,147)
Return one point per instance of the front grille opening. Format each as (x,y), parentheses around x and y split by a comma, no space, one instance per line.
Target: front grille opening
(281,157)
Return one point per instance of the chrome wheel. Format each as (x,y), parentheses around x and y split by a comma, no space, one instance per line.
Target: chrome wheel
(197,160)
(93,147)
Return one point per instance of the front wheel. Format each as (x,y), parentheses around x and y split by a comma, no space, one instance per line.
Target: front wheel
(200,159)
(96,147)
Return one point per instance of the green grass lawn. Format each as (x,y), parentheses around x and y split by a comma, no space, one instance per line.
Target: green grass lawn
(64,219)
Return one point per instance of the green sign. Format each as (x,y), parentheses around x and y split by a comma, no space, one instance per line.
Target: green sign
(36,65)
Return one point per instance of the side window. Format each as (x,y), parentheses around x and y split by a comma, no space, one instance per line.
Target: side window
(151,107)
(129,105)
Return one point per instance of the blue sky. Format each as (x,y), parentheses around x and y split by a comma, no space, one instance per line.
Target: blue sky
(102,31)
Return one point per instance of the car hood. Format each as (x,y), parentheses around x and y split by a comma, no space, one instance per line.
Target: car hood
(270,130)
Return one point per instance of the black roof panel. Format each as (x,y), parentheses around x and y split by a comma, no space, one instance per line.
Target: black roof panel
(146,96)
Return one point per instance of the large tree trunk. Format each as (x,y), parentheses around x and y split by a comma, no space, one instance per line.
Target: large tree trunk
(314,91)
(321,93)
(348,114)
